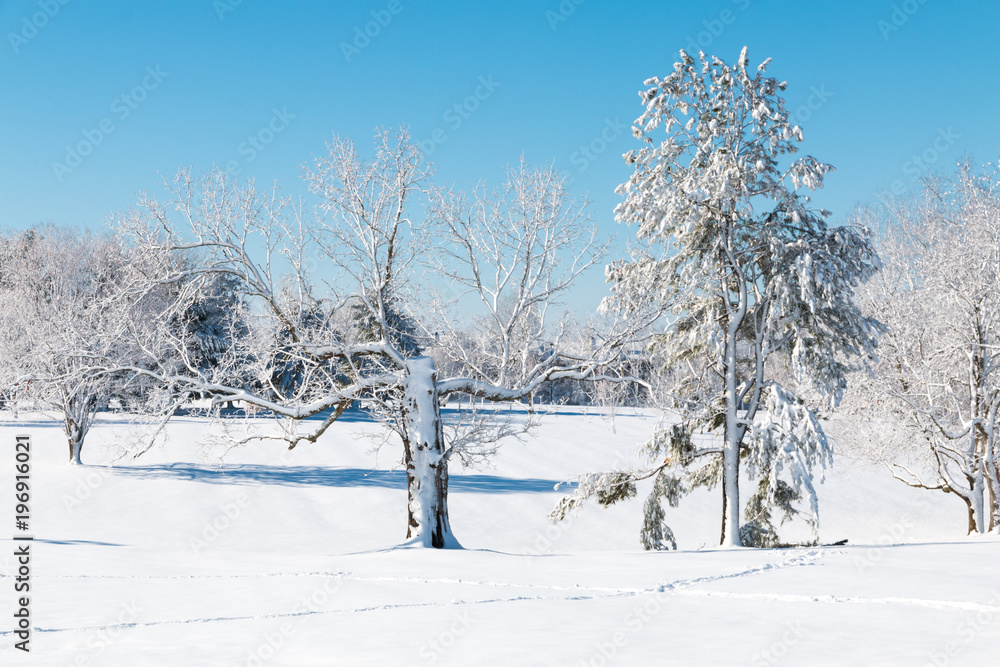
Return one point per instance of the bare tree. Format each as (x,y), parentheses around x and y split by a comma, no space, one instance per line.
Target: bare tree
(330,298)
(935,390)
(13,344)
(513,252)
(59,312)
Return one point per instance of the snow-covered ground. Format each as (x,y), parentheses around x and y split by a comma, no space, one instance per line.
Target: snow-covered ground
(292,559)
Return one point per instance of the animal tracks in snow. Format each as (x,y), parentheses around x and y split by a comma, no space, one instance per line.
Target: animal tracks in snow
(836,599)
(581,593)
(796,561)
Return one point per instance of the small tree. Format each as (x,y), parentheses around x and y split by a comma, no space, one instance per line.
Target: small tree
(936,384)
(749,273)
(57,301)
(69,302)
(356,329)
(13,343)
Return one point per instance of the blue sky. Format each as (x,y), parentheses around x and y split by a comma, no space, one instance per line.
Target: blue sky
(884,90)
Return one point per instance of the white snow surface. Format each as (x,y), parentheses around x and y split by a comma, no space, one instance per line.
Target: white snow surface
(304,567)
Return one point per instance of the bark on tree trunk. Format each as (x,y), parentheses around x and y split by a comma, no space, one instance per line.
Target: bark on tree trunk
(972,517)
(74,452)
(722,533)
(974,503)
(426,461)
(978,505)
(992,504)
(75,430)
(78,415)
(994,487)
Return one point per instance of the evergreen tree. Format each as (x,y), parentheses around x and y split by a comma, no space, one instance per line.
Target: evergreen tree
(748,272)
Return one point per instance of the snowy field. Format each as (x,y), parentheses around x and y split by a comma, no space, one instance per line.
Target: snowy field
(293,559)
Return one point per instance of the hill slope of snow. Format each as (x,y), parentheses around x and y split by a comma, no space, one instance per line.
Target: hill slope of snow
(292,558)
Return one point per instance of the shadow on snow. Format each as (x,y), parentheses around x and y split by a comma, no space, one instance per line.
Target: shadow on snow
(335,477)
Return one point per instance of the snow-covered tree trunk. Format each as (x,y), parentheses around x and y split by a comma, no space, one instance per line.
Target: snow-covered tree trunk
(731,484)
(426,457)
(733,435)
(78,414)
(977,443)
(992,473)
(75,435)
(978,506)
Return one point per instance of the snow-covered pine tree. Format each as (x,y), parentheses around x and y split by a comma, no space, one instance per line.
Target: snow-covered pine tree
(214,320)
(747,271)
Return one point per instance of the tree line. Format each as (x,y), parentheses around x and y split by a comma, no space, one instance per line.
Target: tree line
(741,313)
